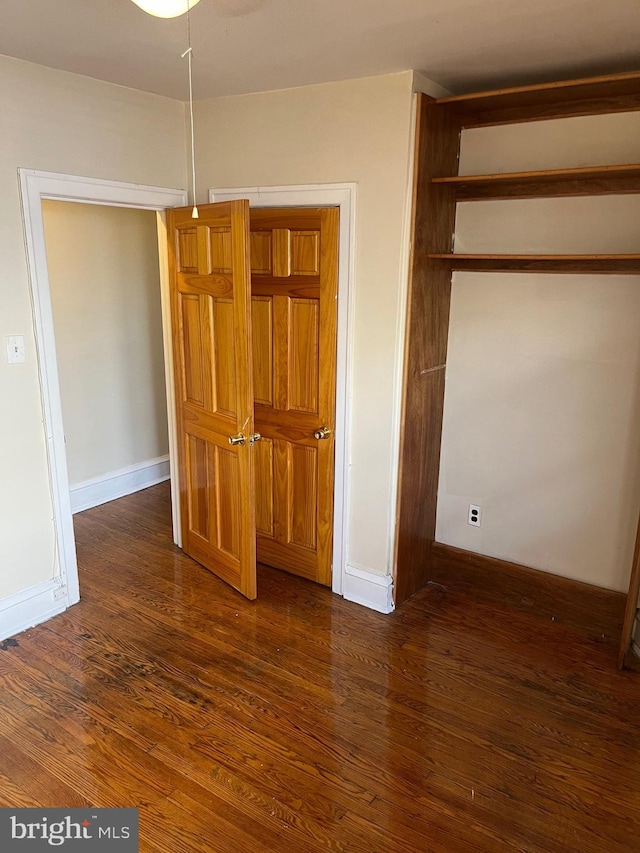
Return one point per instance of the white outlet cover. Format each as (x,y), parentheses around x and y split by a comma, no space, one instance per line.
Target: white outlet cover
(15,349)
(474,517)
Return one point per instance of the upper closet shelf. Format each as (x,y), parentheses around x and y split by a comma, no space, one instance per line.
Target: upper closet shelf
(591,180)
(588,96)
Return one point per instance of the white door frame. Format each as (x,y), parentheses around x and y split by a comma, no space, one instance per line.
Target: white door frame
(34,187)
(344,197)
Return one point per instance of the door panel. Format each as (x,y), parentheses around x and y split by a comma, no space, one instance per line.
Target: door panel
(261,253)
(210,301)
(294,277)
(225,359)
(305,253)
(193,361)
(226,476)
(262,330)
(187,250)
(304,355)
(302,499)
(264,471)
(198,499)
(220,240)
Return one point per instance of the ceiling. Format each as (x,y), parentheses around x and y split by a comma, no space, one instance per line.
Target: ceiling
(255,45)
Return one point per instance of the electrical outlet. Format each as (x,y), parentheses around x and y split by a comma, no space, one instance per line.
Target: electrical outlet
(475,515)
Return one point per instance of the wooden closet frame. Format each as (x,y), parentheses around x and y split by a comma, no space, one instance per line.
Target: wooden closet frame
(437,188)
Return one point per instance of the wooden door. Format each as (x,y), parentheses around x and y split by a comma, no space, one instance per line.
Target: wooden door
(294,280)
(210,305)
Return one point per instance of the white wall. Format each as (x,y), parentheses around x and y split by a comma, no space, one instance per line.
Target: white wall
(360,131)
(57,122)
(542,403)
(105,292)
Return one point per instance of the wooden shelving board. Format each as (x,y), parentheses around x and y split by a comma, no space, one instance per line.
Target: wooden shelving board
(591,180)
(586,96)
(620,264)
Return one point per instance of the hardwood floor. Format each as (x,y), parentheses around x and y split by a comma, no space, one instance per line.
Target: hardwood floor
(299,722)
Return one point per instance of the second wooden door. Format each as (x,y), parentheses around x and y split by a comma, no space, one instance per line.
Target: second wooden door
(294,279)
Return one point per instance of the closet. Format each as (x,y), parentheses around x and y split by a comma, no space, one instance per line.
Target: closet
(437,189)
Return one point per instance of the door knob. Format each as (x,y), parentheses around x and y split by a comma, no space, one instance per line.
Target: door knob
(236,439)
(323,432)
(255,436)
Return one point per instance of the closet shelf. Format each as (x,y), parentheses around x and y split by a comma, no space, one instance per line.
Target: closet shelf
(586,96)
(591,180)
(620,264)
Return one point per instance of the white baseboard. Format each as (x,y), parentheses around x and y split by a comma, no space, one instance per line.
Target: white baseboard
(370,590)
(31,607)
(117,484)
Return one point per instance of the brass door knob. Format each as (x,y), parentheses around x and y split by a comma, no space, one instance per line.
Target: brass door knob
(323,432)
(255,436)
(237,439)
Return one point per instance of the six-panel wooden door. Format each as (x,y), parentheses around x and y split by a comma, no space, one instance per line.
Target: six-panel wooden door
(211,328)
(294,280)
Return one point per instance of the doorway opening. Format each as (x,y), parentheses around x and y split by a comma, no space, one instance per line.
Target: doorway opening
(37,187)
(343,197)
(253,298)
(105,291)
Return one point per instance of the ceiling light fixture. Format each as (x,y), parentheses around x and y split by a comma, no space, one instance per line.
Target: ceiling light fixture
(166,8)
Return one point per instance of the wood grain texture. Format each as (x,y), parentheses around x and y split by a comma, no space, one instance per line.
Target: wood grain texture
(613,264)
(437,147)
(211,336)
(296,353)
(303,370)
(562,99)
(596,611)
(305,253)
(281,242)
(593,180)
(631,661)
(302,723)
(219,257)
(261,262)
(262,335)
(187,250)
(264,471)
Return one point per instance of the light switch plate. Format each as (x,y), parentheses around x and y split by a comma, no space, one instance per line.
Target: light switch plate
(15,349)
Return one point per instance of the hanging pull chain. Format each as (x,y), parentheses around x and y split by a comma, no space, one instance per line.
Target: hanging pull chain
(189,53)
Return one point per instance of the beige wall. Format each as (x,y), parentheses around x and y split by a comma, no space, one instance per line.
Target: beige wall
(57,122)
(357,130)
(542,409)
(105,293)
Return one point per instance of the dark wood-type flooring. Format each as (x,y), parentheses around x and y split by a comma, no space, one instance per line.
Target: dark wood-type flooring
(301,722)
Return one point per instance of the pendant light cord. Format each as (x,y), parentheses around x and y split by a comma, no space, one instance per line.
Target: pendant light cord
(189,54)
